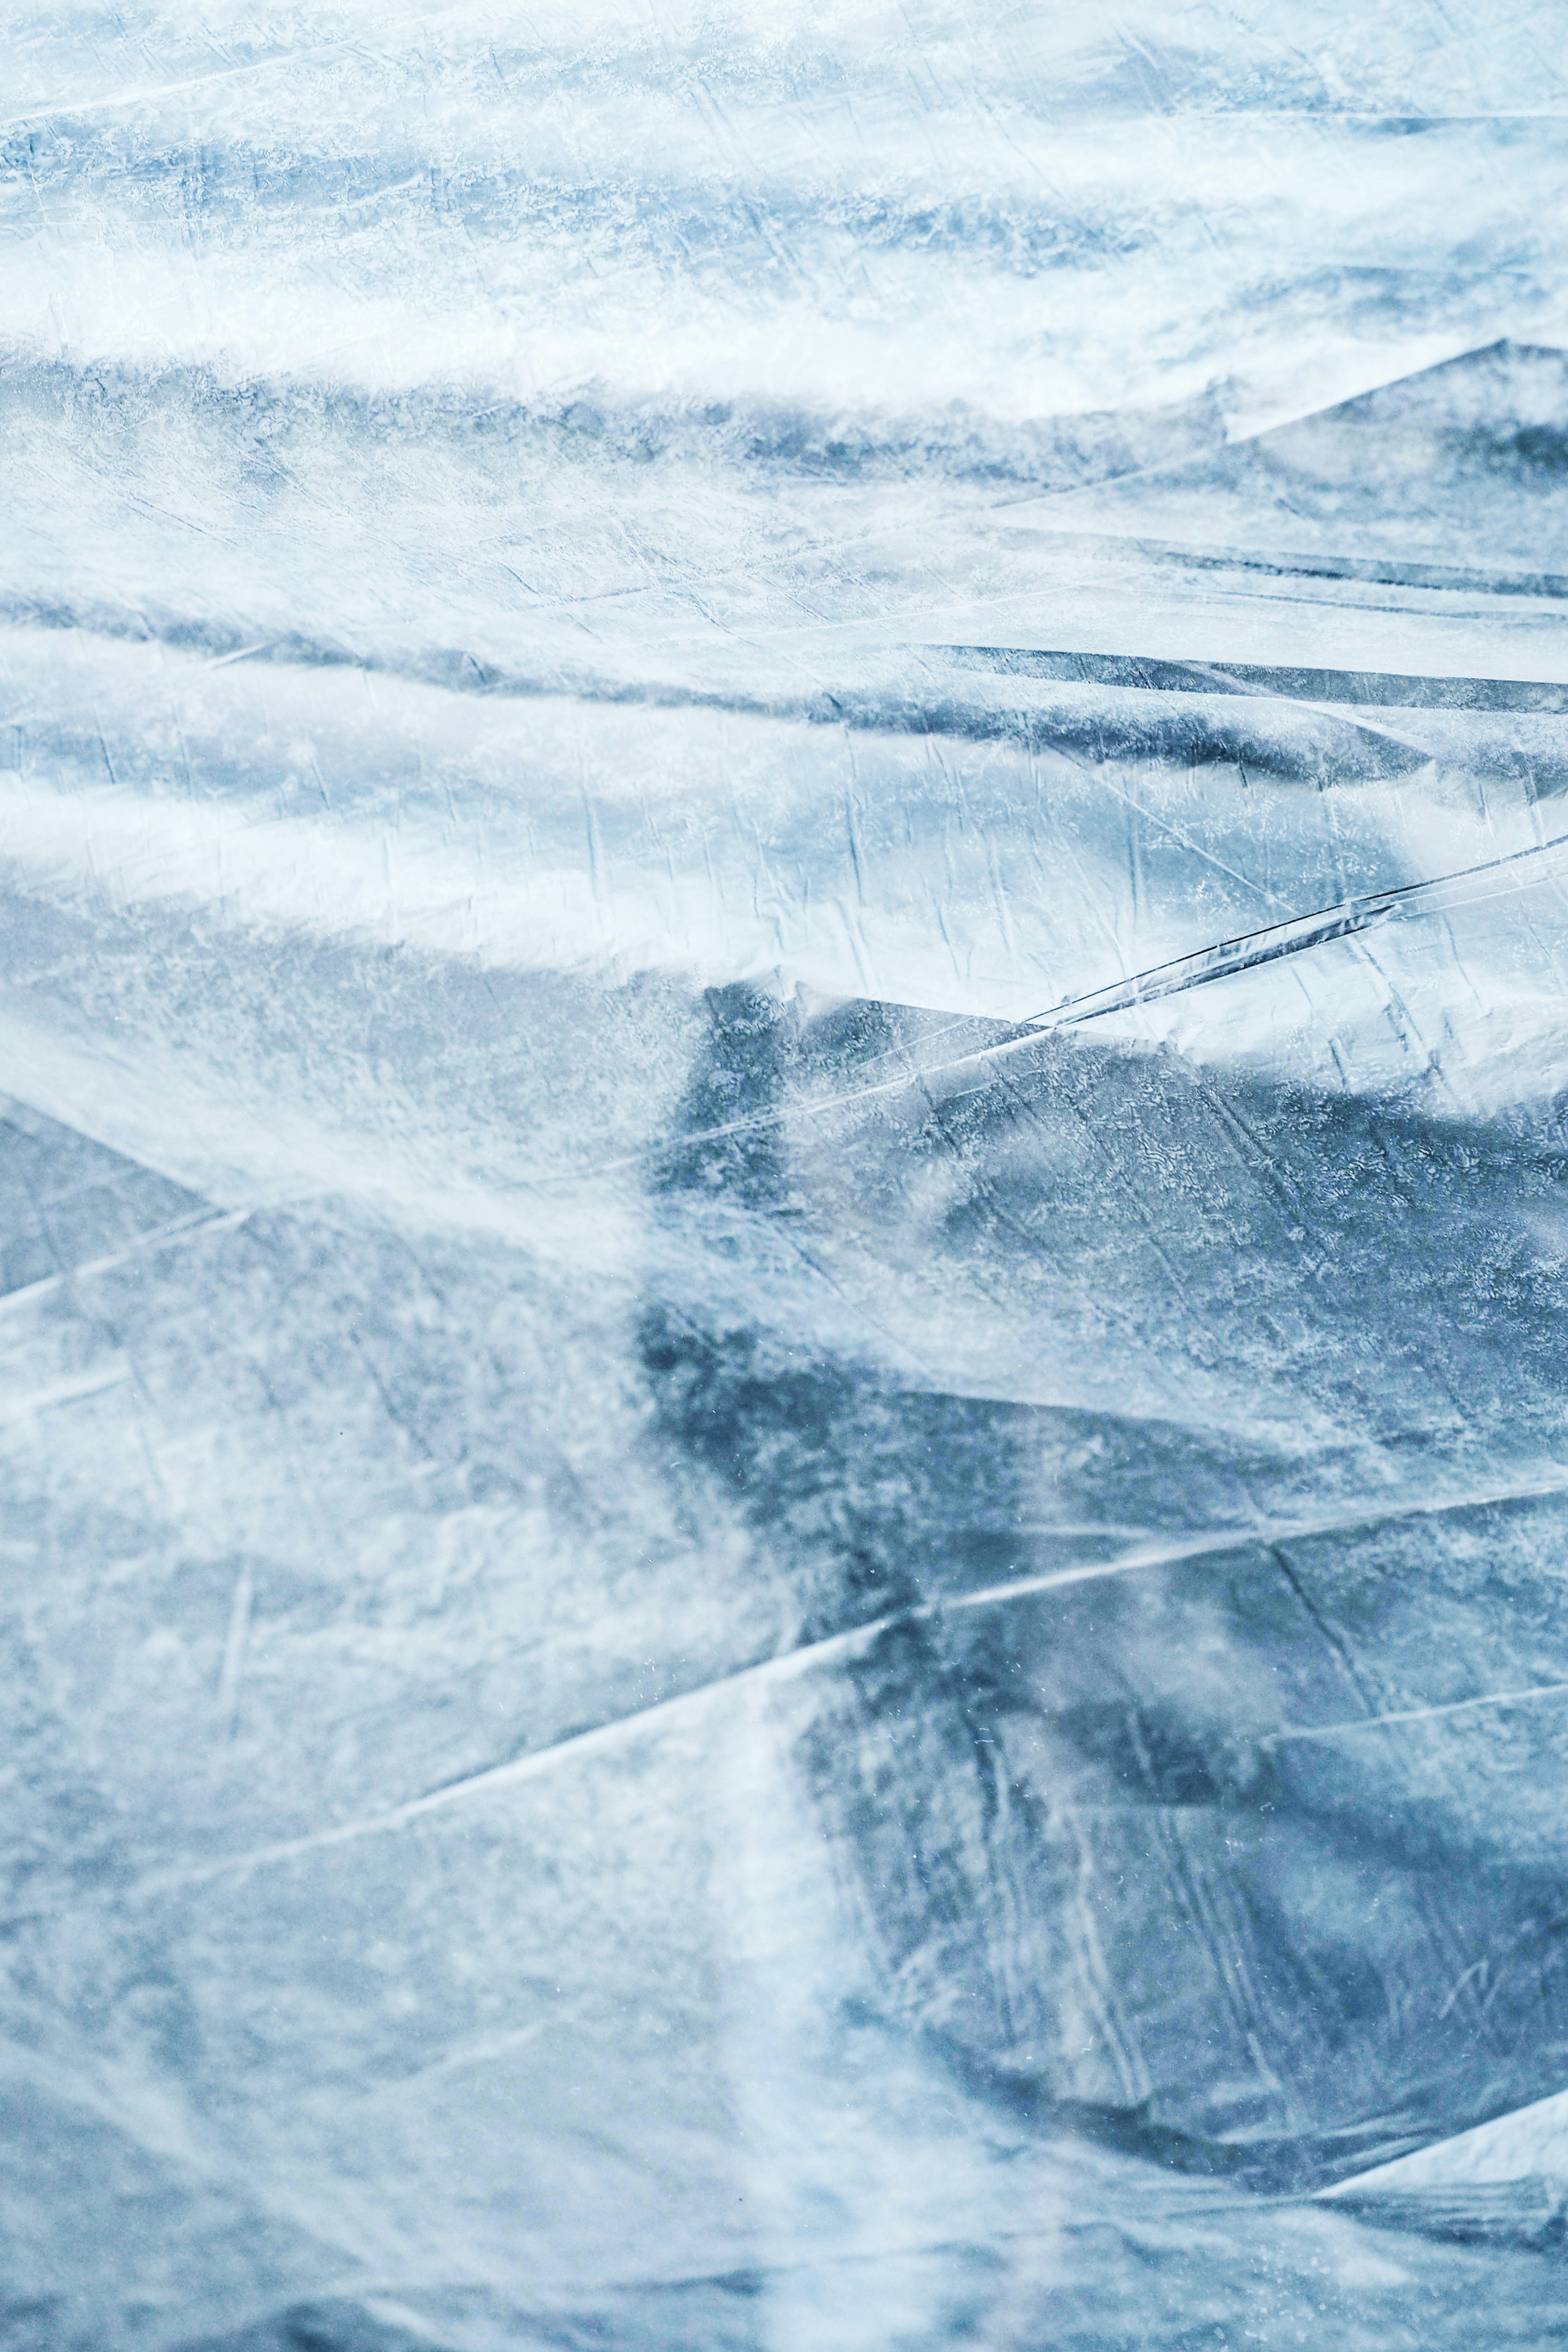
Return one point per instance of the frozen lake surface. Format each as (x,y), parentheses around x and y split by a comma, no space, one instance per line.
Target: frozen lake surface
(784,1186)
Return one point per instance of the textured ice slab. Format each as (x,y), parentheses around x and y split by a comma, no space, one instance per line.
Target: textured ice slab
(783,1403)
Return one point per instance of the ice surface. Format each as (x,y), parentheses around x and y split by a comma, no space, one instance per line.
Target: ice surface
(784,1016)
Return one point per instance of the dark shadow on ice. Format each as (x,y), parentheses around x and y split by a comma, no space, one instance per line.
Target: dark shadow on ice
(1201,1860)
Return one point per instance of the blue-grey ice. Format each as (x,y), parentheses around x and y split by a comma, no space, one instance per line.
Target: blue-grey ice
(783,1176)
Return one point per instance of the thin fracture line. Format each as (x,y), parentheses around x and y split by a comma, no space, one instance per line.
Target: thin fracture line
(1287,937)
(1417,1714)
(794,1664)
(1223,960)
(241,653)
(154,92)
(200,1221)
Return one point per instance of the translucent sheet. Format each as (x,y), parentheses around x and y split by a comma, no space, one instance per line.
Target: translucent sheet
(783,1014)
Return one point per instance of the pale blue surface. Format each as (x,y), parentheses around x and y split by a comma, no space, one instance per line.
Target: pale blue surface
(783,1400)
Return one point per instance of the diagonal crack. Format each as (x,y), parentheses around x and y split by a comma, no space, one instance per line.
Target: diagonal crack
(794,1664)
(1222,960)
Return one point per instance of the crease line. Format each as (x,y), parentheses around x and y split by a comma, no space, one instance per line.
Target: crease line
(205,1219)
(792,1665)
(1225,960)
(1417,1714)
